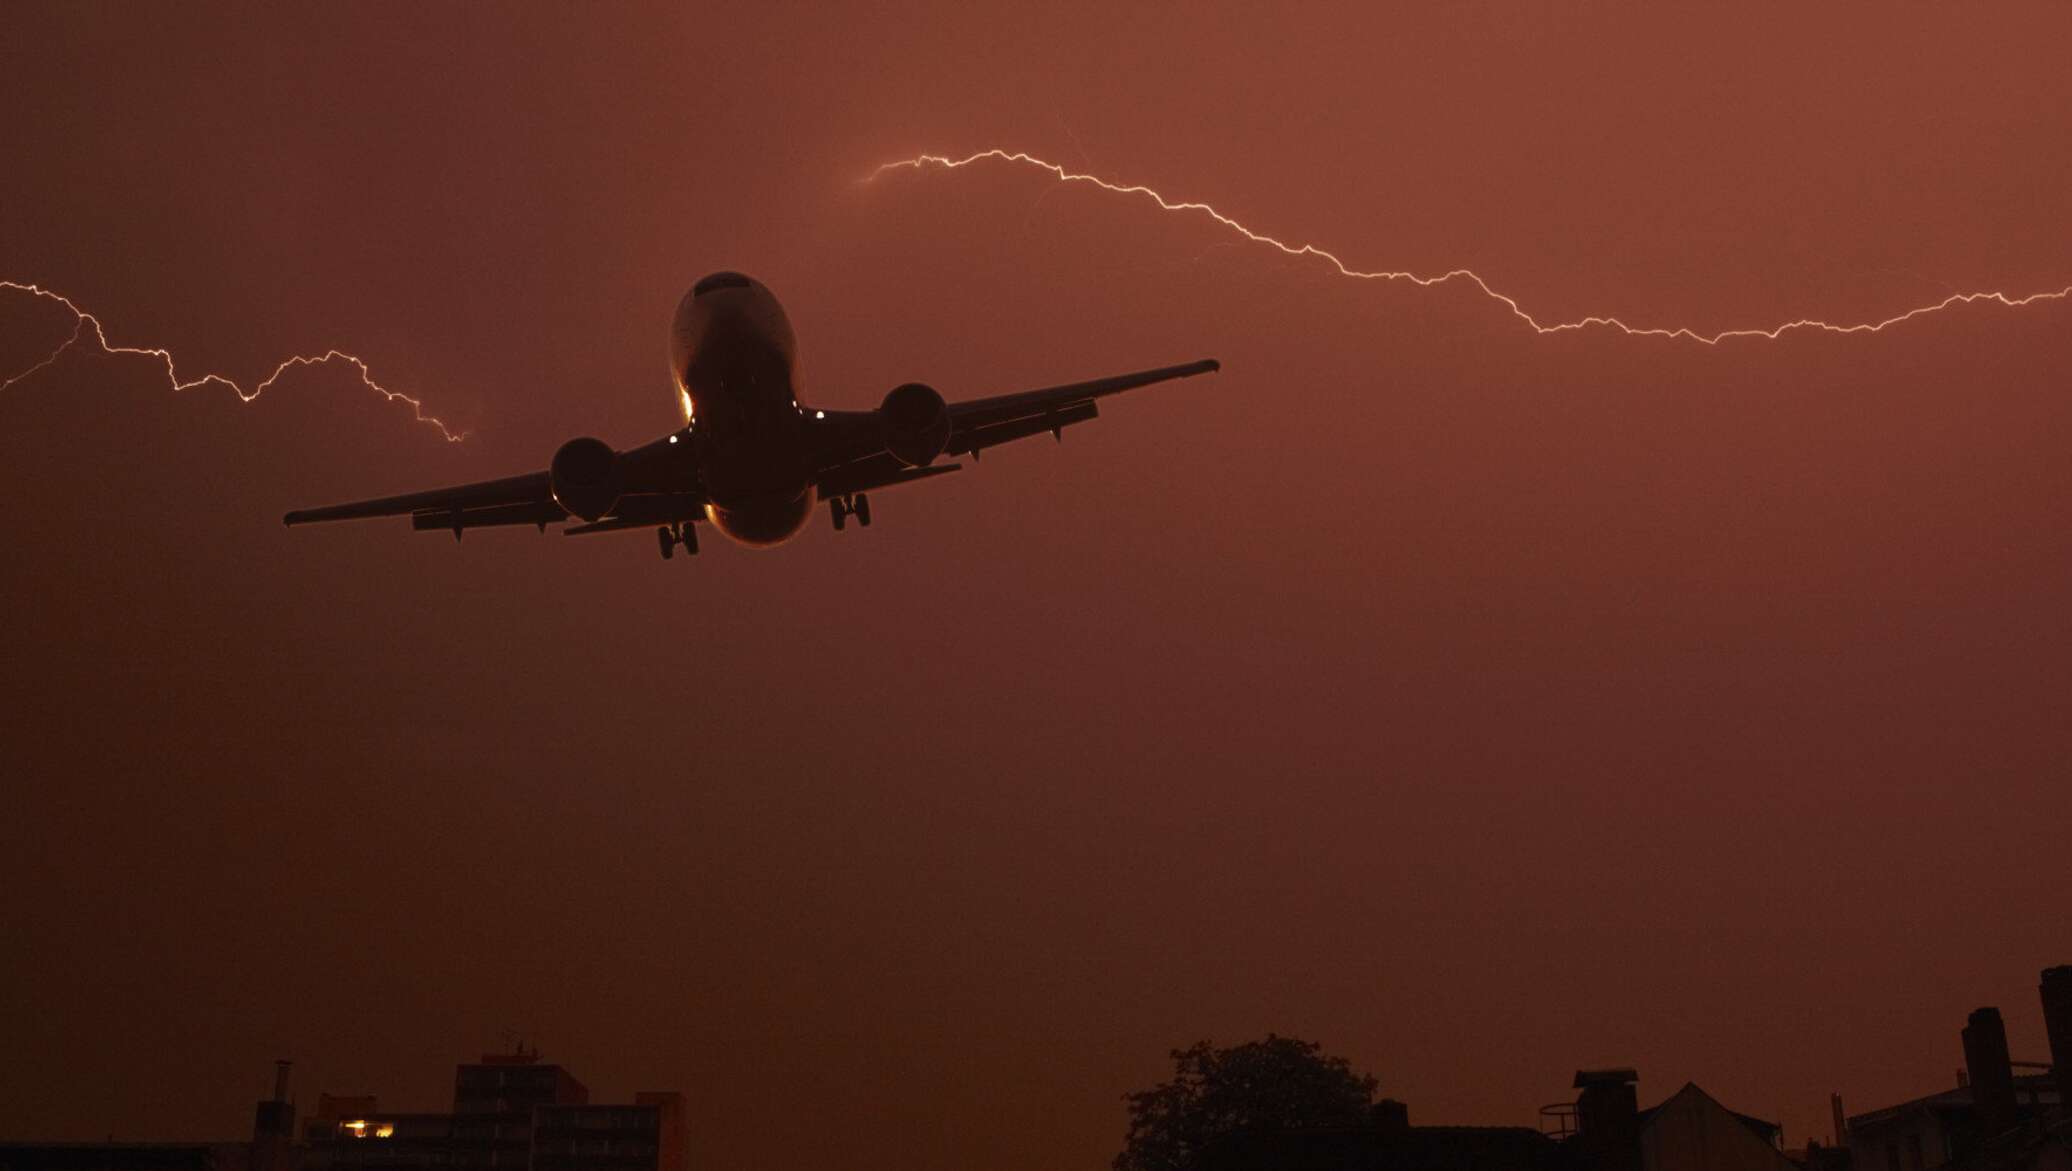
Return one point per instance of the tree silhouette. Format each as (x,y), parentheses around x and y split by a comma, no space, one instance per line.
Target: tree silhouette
(1277,1082)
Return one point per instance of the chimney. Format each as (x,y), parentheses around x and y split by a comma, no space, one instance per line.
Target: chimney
(1608,1118)
(273,1125)
(1834,1103)
(1992,1074)
(2057,1025)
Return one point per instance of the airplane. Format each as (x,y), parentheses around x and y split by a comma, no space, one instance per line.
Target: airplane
(749,460)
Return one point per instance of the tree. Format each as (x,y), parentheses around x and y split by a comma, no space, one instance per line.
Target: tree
(1278,1082)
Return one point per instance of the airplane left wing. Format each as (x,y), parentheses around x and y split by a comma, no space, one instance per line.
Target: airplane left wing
(979,414)
(854,458)
(882,470)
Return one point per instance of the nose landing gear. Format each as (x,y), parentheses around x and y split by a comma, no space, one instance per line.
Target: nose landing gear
(670,536)
(841,508)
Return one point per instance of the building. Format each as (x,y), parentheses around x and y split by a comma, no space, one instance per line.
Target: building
(1936,1129)
(271,1124)
(509,1112)
(1691,1131)
(1388,1143)
(1688,1131)
(113,1156)
(1604,1129)
(1992,1109)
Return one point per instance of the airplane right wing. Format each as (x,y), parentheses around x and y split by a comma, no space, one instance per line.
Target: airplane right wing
(526,499)
(657,488)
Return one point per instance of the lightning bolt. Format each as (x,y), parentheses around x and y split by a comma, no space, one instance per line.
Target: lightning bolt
(85,323)
(1459,274)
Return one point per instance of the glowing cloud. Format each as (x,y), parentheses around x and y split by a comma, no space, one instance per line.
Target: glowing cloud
(1064,176)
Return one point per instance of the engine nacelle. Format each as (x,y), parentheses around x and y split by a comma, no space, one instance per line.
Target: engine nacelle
(586,478)
(916,424)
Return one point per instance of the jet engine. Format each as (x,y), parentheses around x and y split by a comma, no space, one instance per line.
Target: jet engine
(586,478)
(916,423)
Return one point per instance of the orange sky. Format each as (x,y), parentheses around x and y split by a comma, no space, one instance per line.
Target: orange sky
(1483,705)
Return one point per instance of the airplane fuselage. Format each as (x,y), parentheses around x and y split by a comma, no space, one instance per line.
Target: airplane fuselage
(735,361)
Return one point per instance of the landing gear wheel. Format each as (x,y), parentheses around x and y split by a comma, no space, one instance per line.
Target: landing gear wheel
(687,536)
(862,508)
(668,542)
(839,509)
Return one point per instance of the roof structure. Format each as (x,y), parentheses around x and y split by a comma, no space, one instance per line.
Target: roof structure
(1691,1131)
(2028,1088)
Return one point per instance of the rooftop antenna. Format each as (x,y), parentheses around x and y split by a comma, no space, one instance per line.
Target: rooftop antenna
(515,1039)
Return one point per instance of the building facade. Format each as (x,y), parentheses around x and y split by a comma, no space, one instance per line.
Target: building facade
(510,1113)
(1991,1107)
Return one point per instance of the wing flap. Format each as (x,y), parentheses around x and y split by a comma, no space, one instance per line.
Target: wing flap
(655,508)
(608,525)
(979,438)
(455,520)
(643,509)
(533,488)
(1004,408)
(878,471)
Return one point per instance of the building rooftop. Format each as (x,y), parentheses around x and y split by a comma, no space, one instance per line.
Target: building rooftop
(2037,1088)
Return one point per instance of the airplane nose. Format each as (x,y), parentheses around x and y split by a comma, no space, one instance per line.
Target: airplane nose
(720,280)
(685,332)
(717,308)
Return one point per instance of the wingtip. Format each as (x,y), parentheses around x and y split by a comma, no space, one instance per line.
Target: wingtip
(1211,365)
(291,518)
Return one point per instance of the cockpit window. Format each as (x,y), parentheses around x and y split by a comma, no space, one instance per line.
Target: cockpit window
(719,280)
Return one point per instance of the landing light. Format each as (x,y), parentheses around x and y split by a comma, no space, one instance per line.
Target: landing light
(672,439)
(820,414)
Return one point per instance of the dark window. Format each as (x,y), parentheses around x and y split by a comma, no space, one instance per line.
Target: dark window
(719,280)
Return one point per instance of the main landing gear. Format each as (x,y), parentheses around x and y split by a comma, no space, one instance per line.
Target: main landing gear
(844,507)
(670,536)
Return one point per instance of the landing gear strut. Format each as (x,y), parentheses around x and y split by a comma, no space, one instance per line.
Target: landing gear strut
(669,537)
(841,508)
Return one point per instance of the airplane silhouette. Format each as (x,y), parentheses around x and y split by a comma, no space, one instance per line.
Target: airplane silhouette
(752,461)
